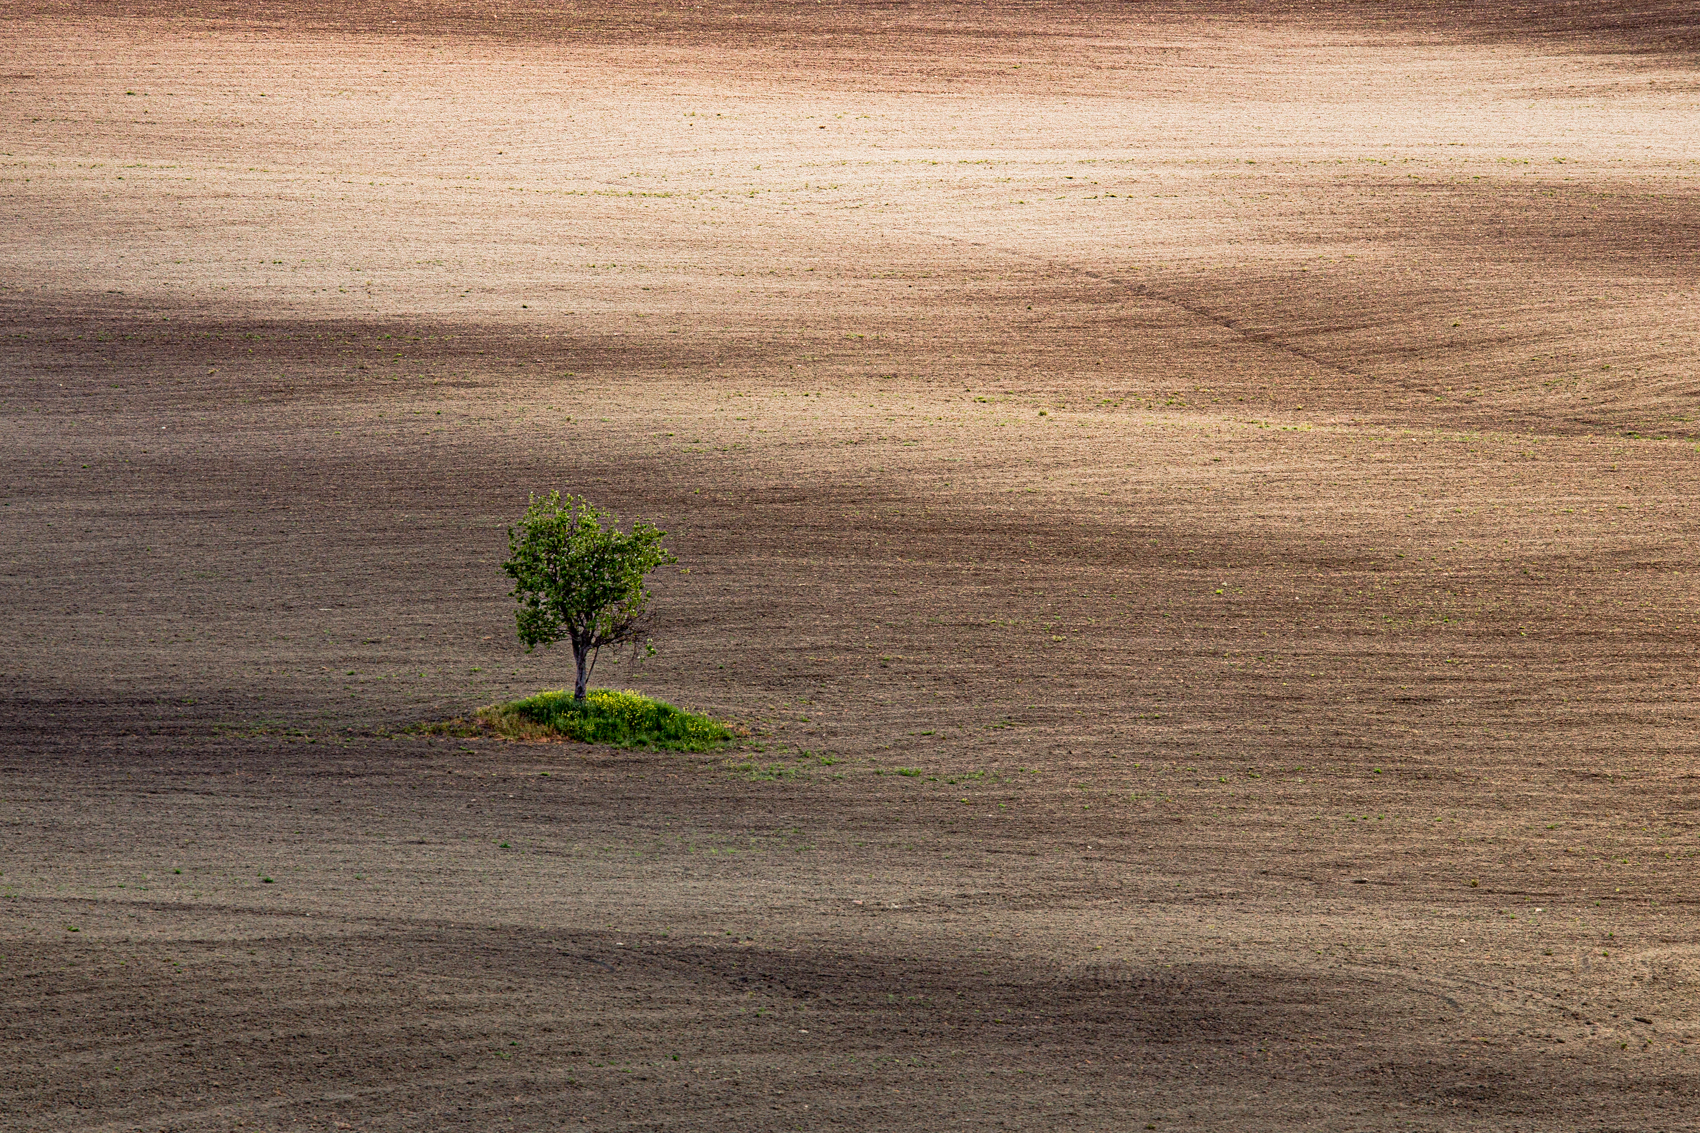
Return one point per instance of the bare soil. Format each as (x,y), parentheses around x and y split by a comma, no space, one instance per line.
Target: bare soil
(1193,505)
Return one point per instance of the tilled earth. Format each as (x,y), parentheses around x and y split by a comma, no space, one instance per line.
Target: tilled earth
(1191,507)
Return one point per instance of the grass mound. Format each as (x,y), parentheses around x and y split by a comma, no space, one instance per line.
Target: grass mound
(606,716)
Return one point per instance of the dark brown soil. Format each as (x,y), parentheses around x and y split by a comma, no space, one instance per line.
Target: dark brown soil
(1193,504)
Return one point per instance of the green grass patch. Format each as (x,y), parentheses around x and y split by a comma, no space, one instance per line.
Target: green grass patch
(606,716)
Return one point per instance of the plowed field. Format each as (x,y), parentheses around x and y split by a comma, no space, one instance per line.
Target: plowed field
(1192,506)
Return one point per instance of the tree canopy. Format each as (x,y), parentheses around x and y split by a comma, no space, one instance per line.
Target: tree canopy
(578,580)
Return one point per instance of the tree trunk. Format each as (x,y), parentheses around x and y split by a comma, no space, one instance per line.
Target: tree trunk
(582,657)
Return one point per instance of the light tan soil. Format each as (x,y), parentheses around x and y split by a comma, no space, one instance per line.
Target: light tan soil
(1193,504)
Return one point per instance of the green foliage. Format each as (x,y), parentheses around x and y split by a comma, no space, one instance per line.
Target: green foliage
(605,716)
(579,581)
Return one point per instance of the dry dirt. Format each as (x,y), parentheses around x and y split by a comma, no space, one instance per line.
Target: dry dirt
(1193,504)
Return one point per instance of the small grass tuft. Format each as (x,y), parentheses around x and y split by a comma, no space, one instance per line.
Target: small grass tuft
(606,716)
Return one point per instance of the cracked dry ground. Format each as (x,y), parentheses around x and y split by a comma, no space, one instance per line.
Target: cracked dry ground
(1193,508)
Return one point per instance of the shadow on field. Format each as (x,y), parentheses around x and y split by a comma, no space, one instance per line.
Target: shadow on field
(529,1028)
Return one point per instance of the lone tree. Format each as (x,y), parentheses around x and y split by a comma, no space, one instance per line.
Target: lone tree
(577,580)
